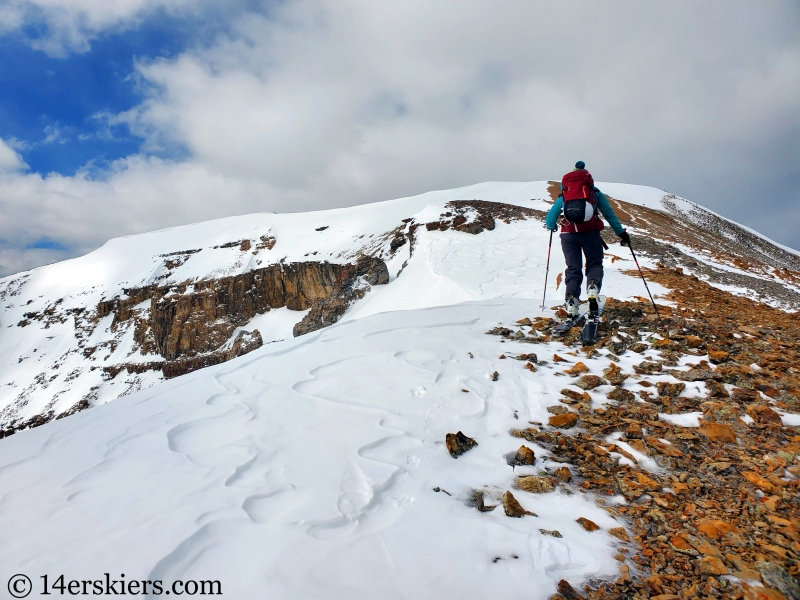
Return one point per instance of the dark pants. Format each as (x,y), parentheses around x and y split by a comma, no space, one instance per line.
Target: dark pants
(588,243)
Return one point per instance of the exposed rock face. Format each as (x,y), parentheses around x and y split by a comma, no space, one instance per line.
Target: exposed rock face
(181,326)
(246,341)
(326,311)
(187,323)
(38,420)
(190,325)
(123,307)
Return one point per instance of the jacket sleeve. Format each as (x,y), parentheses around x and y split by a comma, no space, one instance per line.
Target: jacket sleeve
(605,208)
(551,222)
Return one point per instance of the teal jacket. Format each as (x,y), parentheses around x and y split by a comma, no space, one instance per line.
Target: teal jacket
(603,207)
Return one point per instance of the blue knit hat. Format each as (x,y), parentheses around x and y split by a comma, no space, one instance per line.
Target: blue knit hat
(580,165)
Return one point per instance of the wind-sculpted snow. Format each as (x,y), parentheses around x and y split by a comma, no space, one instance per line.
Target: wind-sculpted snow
(307,469)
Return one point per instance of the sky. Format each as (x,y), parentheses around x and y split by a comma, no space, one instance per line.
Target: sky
(124,116)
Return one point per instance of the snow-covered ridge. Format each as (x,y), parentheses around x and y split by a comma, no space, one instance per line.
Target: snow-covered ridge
(657,199)
(133,261)
(58,353)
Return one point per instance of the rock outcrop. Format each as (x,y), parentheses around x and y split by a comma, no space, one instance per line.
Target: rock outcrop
(246,341)
(190,325)
(326,311)
(477,216)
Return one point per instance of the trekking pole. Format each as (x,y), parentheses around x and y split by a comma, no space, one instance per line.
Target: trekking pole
(647,288)
(547,270)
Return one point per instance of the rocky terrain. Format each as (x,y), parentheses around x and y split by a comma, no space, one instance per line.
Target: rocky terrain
(709,472)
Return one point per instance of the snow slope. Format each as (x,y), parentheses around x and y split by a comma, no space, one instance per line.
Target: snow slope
(307,470)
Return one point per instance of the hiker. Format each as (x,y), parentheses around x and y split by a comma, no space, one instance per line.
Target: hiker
(578,206)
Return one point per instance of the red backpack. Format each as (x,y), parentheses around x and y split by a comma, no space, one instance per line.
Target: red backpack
(577,189)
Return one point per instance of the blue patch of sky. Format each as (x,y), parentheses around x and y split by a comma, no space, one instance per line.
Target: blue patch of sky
(46,244)
(50,104)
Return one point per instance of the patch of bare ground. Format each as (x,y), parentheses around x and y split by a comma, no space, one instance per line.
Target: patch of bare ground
(721,518)
(768,268)
(757,287)
(477,216)
(554,189)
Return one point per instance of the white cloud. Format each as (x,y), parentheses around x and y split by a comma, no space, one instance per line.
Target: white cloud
(55,134)
(332,103)
(72,24)
(10,161)
(137,194)
(367,99)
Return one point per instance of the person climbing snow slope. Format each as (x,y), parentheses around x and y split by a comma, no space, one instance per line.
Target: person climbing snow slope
(577,210)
